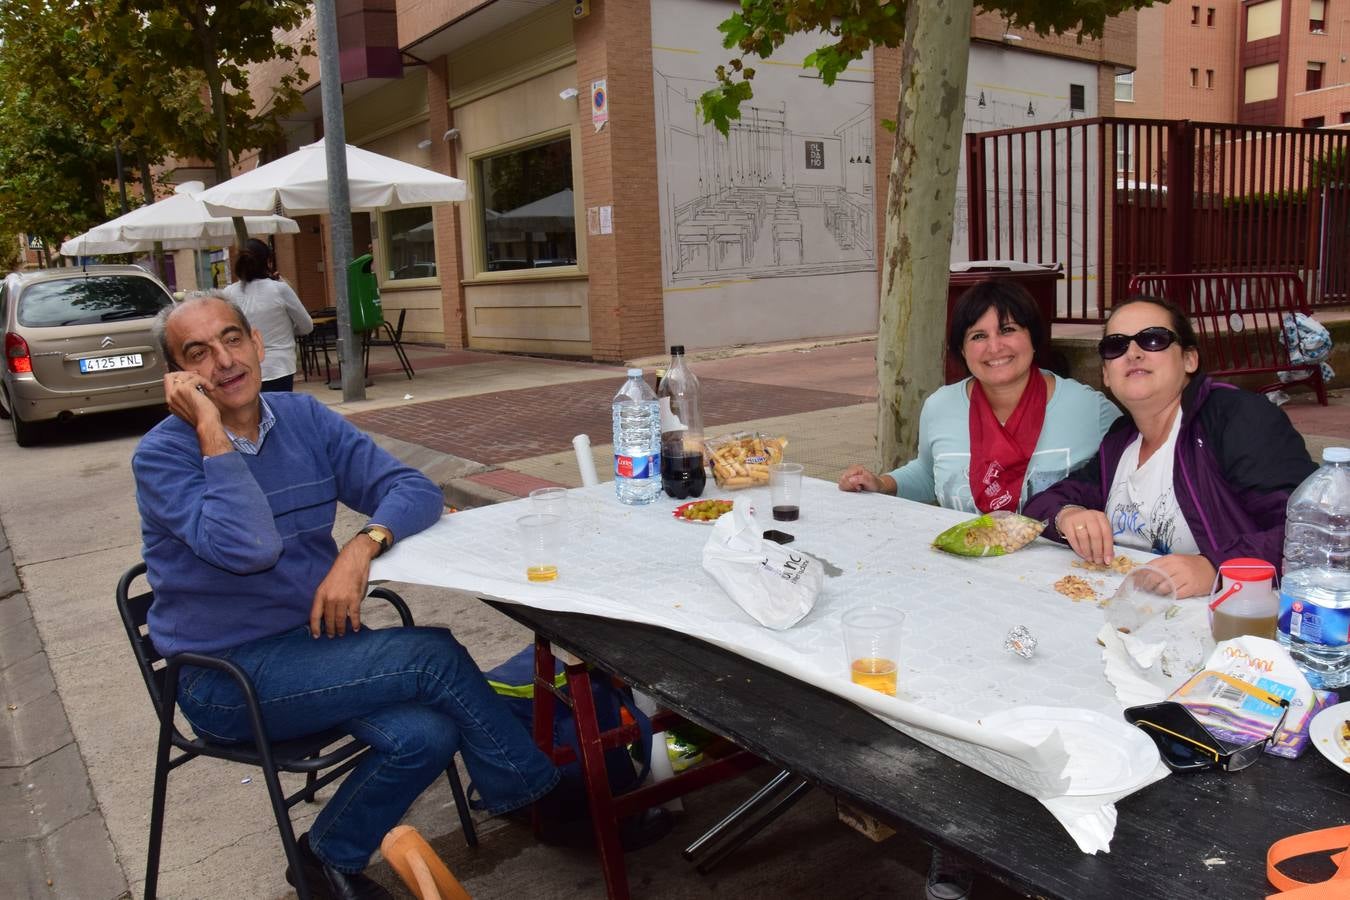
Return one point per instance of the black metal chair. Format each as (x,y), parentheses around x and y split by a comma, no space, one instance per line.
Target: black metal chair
(394,339)
(319,341)
(304,755)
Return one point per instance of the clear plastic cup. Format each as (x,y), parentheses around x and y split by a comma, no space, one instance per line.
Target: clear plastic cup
(541,541)
(872,646)
(1143,594)
(785,489)
(549,501)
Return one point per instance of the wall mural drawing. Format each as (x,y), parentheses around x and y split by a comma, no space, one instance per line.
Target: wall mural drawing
(778,196)
(789,191)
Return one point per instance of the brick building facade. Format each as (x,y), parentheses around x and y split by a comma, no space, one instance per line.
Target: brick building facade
(647,229)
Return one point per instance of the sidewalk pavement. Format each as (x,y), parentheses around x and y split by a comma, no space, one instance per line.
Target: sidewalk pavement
(491,428)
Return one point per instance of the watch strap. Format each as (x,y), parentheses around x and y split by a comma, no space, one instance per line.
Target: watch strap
(380,535)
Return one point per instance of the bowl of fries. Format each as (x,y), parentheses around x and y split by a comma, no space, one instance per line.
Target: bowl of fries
(742,460)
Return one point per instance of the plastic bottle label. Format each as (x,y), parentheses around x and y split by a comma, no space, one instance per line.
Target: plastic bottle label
(638,466)
(1313,624)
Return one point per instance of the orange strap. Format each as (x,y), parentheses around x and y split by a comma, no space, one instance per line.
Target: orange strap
(1311,842)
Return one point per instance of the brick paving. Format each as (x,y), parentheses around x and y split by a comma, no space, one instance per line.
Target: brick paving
(502,426)
(518,484)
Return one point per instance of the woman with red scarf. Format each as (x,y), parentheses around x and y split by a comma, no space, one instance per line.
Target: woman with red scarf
(992,440)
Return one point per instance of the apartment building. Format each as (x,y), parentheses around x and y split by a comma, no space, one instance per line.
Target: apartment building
(604,219)
(1269,62)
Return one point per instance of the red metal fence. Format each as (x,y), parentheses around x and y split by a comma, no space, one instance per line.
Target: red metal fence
(1113,198)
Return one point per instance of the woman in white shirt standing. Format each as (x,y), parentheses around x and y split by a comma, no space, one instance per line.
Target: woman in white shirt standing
(272,308)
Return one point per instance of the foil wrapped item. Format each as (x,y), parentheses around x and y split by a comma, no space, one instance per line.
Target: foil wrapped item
(1020,641)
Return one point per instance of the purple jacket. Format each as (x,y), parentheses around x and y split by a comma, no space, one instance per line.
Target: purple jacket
(1238,458)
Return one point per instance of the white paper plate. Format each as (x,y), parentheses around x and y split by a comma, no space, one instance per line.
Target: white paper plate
(1322,733)
(1105,755)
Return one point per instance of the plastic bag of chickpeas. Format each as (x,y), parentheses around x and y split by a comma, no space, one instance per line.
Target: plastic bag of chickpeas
(992,534)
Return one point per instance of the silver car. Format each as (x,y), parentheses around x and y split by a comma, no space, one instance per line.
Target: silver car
(78,341)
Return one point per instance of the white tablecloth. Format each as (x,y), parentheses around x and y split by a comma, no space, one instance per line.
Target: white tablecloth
(640,564)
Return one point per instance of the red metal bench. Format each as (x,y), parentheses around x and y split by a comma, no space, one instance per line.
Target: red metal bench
(1238,318)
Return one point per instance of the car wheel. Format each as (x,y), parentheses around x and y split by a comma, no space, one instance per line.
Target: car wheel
(25,433)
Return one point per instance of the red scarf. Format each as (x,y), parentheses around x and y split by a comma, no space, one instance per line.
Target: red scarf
(999,454)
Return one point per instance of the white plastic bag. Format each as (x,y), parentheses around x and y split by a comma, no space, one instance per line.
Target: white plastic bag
(774,584)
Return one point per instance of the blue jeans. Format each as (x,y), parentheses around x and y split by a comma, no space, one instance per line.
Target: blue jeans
(413,694)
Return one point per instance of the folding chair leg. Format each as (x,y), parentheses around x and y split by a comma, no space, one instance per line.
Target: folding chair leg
(288,842)
(397,343)
(310,778)
(461,805)
(157,802)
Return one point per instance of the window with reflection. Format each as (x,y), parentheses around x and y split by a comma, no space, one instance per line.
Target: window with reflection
(527,212)
(411,241)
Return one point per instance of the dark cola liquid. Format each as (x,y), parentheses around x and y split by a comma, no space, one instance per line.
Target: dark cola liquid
(682,475)
(786,513)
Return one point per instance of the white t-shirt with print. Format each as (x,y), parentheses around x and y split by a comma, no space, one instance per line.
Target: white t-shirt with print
(1142,504)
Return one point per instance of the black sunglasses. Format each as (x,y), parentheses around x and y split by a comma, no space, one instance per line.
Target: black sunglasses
(1186,745)
(1151,339)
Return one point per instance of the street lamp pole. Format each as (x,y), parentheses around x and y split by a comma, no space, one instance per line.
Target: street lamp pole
(339,196)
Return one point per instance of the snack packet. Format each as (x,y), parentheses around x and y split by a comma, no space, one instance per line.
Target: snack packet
(1235,716)
(992,534)
(742,460)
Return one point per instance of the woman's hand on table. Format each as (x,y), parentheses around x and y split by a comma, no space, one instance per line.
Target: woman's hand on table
(862,479)
(1192,576)
(1088,532)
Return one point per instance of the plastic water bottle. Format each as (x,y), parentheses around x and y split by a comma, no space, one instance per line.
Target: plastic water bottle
(1315,591)
(637,442)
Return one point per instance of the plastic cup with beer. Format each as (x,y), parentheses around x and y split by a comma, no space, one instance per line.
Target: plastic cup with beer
(541,541)
(872,646)
(1244,601)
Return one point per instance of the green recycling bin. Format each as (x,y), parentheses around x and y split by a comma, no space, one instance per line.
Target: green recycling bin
(363,295)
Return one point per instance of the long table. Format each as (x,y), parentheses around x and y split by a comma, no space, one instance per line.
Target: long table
(638,568)
(1200,836)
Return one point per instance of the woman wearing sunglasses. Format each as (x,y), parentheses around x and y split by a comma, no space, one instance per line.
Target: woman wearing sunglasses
(992,440)
(1199,471)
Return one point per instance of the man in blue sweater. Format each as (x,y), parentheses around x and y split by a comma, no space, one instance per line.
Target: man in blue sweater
(237,497)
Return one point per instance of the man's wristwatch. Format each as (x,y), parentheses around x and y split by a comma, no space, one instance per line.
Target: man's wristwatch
(380,535)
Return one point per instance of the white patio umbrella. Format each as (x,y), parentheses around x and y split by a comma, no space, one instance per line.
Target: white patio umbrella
(181,221)
(297,184)
(85,245)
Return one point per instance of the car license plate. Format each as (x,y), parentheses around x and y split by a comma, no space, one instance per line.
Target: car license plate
(105,363)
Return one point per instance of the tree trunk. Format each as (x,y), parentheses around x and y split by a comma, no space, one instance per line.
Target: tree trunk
(216,84)
(148,186)
(919,209)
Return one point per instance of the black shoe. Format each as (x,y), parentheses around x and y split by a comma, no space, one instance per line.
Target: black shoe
(635,832)
(645,828)
(327,883)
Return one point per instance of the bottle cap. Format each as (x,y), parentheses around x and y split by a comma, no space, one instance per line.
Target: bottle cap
(634,373)
(1247,569)
(1336,454)
(677,349)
